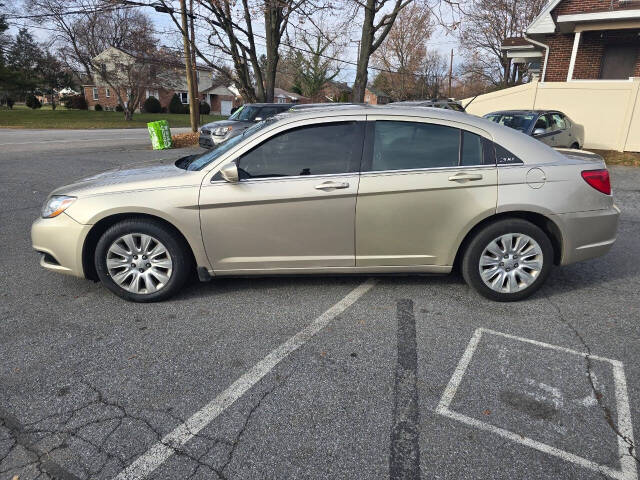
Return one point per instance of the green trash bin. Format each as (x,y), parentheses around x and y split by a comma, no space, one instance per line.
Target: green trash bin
(160,135)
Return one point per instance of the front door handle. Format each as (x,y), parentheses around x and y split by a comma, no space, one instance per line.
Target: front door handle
(332,185)
(465,177)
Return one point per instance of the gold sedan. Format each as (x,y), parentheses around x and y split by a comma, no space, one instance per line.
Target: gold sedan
(348,189)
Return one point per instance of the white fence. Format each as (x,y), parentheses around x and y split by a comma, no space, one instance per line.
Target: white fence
(608,110)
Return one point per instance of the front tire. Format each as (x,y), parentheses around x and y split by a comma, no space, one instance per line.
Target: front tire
(508,260)
(142,260)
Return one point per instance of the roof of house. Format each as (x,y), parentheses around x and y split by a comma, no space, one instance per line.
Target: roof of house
(280,93)
(218,90)
(516,43)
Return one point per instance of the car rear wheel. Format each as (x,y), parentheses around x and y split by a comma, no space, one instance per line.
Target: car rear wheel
(508,260)
(142,260)
(575,146)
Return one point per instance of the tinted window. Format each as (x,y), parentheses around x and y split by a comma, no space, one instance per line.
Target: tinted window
(407,145)
(266,112)
(517,121)
(313,150)
(471,153)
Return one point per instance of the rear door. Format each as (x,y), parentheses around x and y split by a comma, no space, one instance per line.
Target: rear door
(424,184)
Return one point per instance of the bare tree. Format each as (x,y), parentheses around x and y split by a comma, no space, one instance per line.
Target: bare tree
(401,56)
(485,26)
(85,28)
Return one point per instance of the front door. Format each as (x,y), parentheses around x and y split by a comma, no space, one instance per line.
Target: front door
(425,186)
(294,207)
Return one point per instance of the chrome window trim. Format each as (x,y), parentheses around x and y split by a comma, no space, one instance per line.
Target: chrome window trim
(427,170)
(291,177)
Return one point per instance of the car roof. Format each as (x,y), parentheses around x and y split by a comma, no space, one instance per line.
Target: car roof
(521,145)
(268,104)
(535,112)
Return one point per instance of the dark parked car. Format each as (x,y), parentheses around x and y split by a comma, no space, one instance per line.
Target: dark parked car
(214,133)
(549,126)
(445,103)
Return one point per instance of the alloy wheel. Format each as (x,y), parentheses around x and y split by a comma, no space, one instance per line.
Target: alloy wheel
(139,263)
(511,263)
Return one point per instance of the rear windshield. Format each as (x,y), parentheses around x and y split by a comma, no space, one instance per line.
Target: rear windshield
(517,121)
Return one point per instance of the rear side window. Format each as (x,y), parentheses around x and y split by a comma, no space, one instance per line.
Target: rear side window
(313,150)
(413,145)
(471,149)
(409,145)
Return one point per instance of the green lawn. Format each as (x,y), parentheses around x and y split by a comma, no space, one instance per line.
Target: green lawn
(23,117)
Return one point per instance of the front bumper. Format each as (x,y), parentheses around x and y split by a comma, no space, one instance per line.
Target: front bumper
(59,241)
(587,235)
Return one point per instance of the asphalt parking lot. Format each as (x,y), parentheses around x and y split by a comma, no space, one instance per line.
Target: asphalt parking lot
(330,377)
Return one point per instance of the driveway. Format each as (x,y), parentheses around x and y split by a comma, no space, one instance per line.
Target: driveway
(314,377)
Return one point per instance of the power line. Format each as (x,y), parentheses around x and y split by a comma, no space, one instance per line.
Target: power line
(62,14)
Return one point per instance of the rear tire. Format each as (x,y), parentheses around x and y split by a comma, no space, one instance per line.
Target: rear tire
(142,260)
(507,260)
(576,146)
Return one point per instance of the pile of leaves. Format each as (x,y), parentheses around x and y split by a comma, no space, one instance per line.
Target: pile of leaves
(182,140)
(630,159)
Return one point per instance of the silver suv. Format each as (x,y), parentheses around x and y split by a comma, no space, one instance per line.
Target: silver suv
(214,133)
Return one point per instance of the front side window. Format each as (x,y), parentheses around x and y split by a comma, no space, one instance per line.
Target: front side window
(311,150)
(410,145)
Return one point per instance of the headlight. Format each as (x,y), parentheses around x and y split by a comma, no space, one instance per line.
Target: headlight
(220,131)
(55,205)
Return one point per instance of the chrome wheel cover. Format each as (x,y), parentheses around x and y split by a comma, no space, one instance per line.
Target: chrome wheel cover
(139,263)
(511,263)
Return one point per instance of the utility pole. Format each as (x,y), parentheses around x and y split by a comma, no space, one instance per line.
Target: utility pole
(193,61)
(193,100)
(450,72)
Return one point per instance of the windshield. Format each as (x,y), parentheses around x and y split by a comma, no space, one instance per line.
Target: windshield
(198,162)
(456,106)
(517,121)
(245,114)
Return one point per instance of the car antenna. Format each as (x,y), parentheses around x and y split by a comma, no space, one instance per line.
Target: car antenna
(465,107)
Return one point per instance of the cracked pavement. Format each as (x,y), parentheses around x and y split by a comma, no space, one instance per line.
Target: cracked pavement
(88,383)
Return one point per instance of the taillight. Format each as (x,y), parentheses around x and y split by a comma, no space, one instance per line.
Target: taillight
(598,179)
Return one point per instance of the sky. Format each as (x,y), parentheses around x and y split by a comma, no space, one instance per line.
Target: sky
(440,41)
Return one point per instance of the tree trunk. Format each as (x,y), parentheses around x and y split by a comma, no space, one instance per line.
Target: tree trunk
(272,21)
(366,41)
(128,115)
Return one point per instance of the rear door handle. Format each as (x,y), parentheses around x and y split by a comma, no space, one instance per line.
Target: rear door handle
(465,177)
(332,185)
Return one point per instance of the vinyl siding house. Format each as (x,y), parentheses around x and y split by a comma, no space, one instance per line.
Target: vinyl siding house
(585,55)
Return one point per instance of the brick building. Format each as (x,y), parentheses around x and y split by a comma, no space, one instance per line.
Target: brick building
(165,79)
(581,40)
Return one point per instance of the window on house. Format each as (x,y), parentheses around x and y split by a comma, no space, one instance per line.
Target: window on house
(618,62)
(95,93)
(184,97)
(107,92)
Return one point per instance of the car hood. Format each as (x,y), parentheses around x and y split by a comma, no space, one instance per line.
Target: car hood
(150,175)
(223,123)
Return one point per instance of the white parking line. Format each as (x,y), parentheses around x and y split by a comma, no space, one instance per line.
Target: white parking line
(628,469)
(165,448)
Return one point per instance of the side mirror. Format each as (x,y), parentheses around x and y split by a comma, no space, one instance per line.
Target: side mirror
(257,119)
(230,173)
(539,131)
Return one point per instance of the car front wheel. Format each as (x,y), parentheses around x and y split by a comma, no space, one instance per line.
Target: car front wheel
(508,260)
(142,260)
